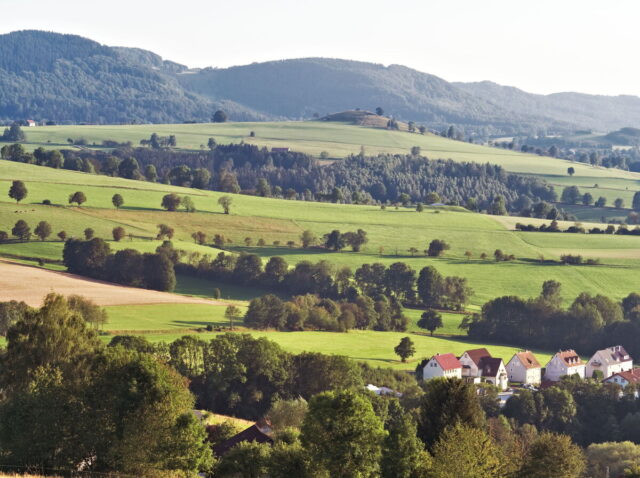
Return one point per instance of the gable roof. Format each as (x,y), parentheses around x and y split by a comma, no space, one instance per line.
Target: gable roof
(490,366)
(251,434)
(476,355)
(447,361)
(613,355)
(527,359)
(570,358)
(631,376)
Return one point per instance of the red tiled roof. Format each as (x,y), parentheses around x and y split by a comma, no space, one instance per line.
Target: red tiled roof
(476,355)
(570,357)
(447,361)
(528,359)
(631,376)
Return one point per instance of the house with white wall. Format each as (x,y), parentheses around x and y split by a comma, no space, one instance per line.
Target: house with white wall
(524,368)
(479,365)
(564,362)
(609,361)
(442,365)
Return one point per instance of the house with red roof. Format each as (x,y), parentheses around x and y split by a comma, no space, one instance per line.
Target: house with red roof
(609,361)
(524,368)
(478,365)
(564,362)
(625,378)
(442,365)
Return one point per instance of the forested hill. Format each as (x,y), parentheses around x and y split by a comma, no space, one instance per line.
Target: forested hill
(67,78)
(603,113)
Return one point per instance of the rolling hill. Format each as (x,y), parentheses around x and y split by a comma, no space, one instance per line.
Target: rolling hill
(69,79)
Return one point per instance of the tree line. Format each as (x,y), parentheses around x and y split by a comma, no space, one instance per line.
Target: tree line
(357,179)
(93,258)
(590,322)
(398,280)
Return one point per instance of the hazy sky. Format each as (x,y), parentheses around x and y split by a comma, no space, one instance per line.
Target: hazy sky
(541,46)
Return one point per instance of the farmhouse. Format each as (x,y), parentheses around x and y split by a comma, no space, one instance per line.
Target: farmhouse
(609,361)
(255,433)
(478,364)
(524,368)
(31,123)
(625,378)
(565,362)
(442,365)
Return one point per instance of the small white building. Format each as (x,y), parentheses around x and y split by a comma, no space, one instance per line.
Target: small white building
(609,361)
(31,123)
(442,365)
(493,371)
(524,368)
(565,362)
(624,378)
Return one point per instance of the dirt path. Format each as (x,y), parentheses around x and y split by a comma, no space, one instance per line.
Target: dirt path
(30,284)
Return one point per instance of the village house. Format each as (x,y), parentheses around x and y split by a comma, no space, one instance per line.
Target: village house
(442,365)
(478,365)
(564,362)
(625,378)
(31,123)
(524,368)
(609,361)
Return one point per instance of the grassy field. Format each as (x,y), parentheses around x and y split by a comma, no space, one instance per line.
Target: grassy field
(391,232)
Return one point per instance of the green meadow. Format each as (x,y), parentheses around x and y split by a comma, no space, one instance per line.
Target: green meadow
(392,233)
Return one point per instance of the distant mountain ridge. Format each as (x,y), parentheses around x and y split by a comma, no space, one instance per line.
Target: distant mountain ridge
(67,78)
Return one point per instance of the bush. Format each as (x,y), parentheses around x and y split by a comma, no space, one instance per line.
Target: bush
(46,202)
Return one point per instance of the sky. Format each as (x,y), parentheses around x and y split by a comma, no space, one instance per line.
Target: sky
(541,46)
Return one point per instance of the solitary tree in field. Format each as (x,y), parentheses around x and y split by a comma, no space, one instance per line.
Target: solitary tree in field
(308,238)
(88,233)
(117,200)
(118,233)
(199,237)
(430,320)
(437,248)
(405,349)
(379,111)
(43,230)
(164,231)
(62,235)
(415,151)
(571,171)
(188,205)
(413,251)
(225,202)
(18,191)
(468,255)
(419,207)
(618,203)
(21,230)
(212,144)
(232,314)
(171,202)
(78,197)
(219,117)
(248,241)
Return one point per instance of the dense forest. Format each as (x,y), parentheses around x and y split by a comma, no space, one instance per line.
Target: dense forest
(384,179)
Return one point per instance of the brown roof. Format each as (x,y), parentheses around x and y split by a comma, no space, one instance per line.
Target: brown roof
(631,376)
(447,361)
(490,366)
(251,434)
(528,359)
(570,357)
(476,355)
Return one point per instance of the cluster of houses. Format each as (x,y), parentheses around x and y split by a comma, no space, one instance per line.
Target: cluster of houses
(612,365)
